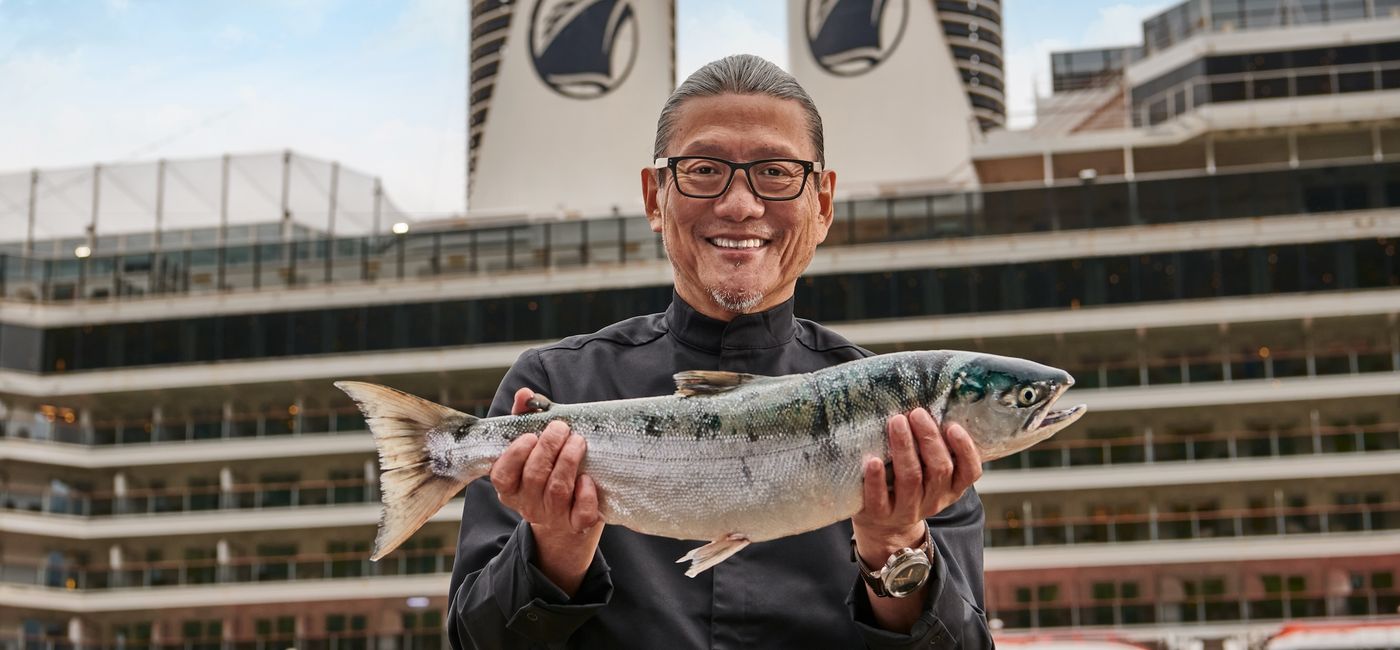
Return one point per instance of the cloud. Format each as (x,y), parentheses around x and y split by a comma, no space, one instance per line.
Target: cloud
(118,6)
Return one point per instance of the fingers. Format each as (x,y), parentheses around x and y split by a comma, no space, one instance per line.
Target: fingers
(559,491)
(522,398)
(585,511)
(528,401)
(505,472)
(875,494)
(540,465)
(908,471)
(968,461)
(934,455)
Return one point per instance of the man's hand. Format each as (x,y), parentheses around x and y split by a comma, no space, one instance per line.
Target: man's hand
(932,470)
(538,477)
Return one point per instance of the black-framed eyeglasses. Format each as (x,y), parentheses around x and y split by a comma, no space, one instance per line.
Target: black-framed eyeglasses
(771,179)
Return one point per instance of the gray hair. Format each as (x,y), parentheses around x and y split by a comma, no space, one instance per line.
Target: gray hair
(740,74)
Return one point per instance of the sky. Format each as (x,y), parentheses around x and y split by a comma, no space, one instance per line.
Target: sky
(378,85)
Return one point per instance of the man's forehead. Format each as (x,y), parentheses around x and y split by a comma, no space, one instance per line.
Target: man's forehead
(763,125)
(708,147)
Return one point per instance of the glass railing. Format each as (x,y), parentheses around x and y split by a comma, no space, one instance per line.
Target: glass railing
(54,424)
(1263,363)
(1184,20)
(1280,190)
(1207,524)
(1190,93)
(62,424)
(145,501)
(425,640)
(325,566)
(1203,609)
(1150,447)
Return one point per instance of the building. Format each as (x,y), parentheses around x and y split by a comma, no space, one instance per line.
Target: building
(1212,254)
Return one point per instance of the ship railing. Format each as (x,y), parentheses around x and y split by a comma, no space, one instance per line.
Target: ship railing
(1283,188)
(1262,362)
(147,501)
(1186,19)
(415,640)
(1155,526)
(1197,609)
(258,569)
(1149,446)
(1196,91)
(61,425)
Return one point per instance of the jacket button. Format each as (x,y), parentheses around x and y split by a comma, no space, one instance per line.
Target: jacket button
(532,617)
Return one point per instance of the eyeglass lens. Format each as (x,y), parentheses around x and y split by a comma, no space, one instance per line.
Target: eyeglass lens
(777,179)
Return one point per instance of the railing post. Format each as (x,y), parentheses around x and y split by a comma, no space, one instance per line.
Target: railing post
(1149,451)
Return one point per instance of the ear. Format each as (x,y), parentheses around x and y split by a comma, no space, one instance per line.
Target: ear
(826,201)
(651,196)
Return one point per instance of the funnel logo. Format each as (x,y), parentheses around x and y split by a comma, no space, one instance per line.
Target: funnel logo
(583,48)
(850,37)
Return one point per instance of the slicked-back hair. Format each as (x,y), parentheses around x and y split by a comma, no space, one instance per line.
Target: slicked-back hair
(739,74)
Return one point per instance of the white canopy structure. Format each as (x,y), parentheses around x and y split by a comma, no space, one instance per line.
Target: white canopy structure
(215,200)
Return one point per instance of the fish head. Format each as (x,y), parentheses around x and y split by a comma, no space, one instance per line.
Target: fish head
(1006,404)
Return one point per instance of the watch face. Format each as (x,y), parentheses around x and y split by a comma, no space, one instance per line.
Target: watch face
(907,577)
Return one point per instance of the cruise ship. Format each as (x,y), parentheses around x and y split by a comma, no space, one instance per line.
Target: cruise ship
(1202,228)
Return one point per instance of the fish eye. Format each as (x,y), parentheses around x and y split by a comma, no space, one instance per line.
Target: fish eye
(1026,395)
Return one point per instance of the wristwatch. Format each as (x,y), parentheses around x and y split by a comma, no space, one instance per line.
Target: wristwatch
(904,573)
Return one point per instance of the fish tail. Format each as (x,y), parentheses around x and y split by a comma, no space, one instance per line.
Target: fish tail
(411,488)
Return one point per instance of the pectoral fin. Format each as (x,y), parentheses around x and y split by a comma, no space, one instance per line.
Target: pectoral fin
(710,382)
(713,553)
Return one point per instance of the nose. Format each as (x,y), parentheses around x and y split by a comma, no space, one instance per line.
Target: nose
(739,203)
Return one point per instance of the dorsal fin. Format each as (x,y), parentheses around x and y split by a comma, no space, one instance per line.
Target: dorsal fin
(690,383)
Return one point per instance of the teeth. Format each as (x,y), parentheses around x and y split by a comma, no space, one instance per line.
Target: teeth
(736,243)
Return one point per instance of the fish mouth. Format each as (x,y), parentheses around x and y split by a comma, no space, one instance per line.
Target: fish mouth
(1048,422)
(1053,421)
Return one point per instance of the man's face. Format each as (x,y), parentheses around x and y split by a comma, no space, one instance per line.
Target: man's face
(718,269)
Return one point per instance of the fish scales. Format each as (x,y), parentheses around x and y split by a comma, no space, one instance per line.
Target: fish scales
(729,457)
(773,457)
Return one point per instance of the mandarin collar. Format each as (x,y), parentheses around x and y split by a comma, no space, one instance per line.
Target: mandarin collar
(765,329)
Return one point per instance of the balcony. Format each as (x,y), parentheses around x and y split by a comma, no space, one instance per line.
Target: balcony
(1149,448)
(1316,186)
(1152,104)
(423,640)
(238,570)
(248,496)
(1199,610)
(1157,526)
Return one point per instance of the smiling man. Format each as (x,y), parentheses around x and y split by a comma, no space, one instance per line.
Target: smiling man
(740,194)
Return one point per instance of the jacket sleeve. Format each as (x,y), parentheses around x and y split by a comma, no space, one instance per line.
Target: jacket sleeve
(498,598)
(953,616)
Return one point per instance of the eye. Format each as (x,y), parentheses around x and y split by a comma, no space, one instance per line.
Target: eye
(1025,396)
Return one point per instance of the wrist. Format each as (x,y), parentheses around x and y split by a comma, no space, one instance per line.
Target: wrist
(876,545)
(564,556)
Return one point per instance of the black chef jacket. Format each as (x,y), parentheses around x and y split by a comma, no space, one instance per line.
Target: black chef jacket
(796,592)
